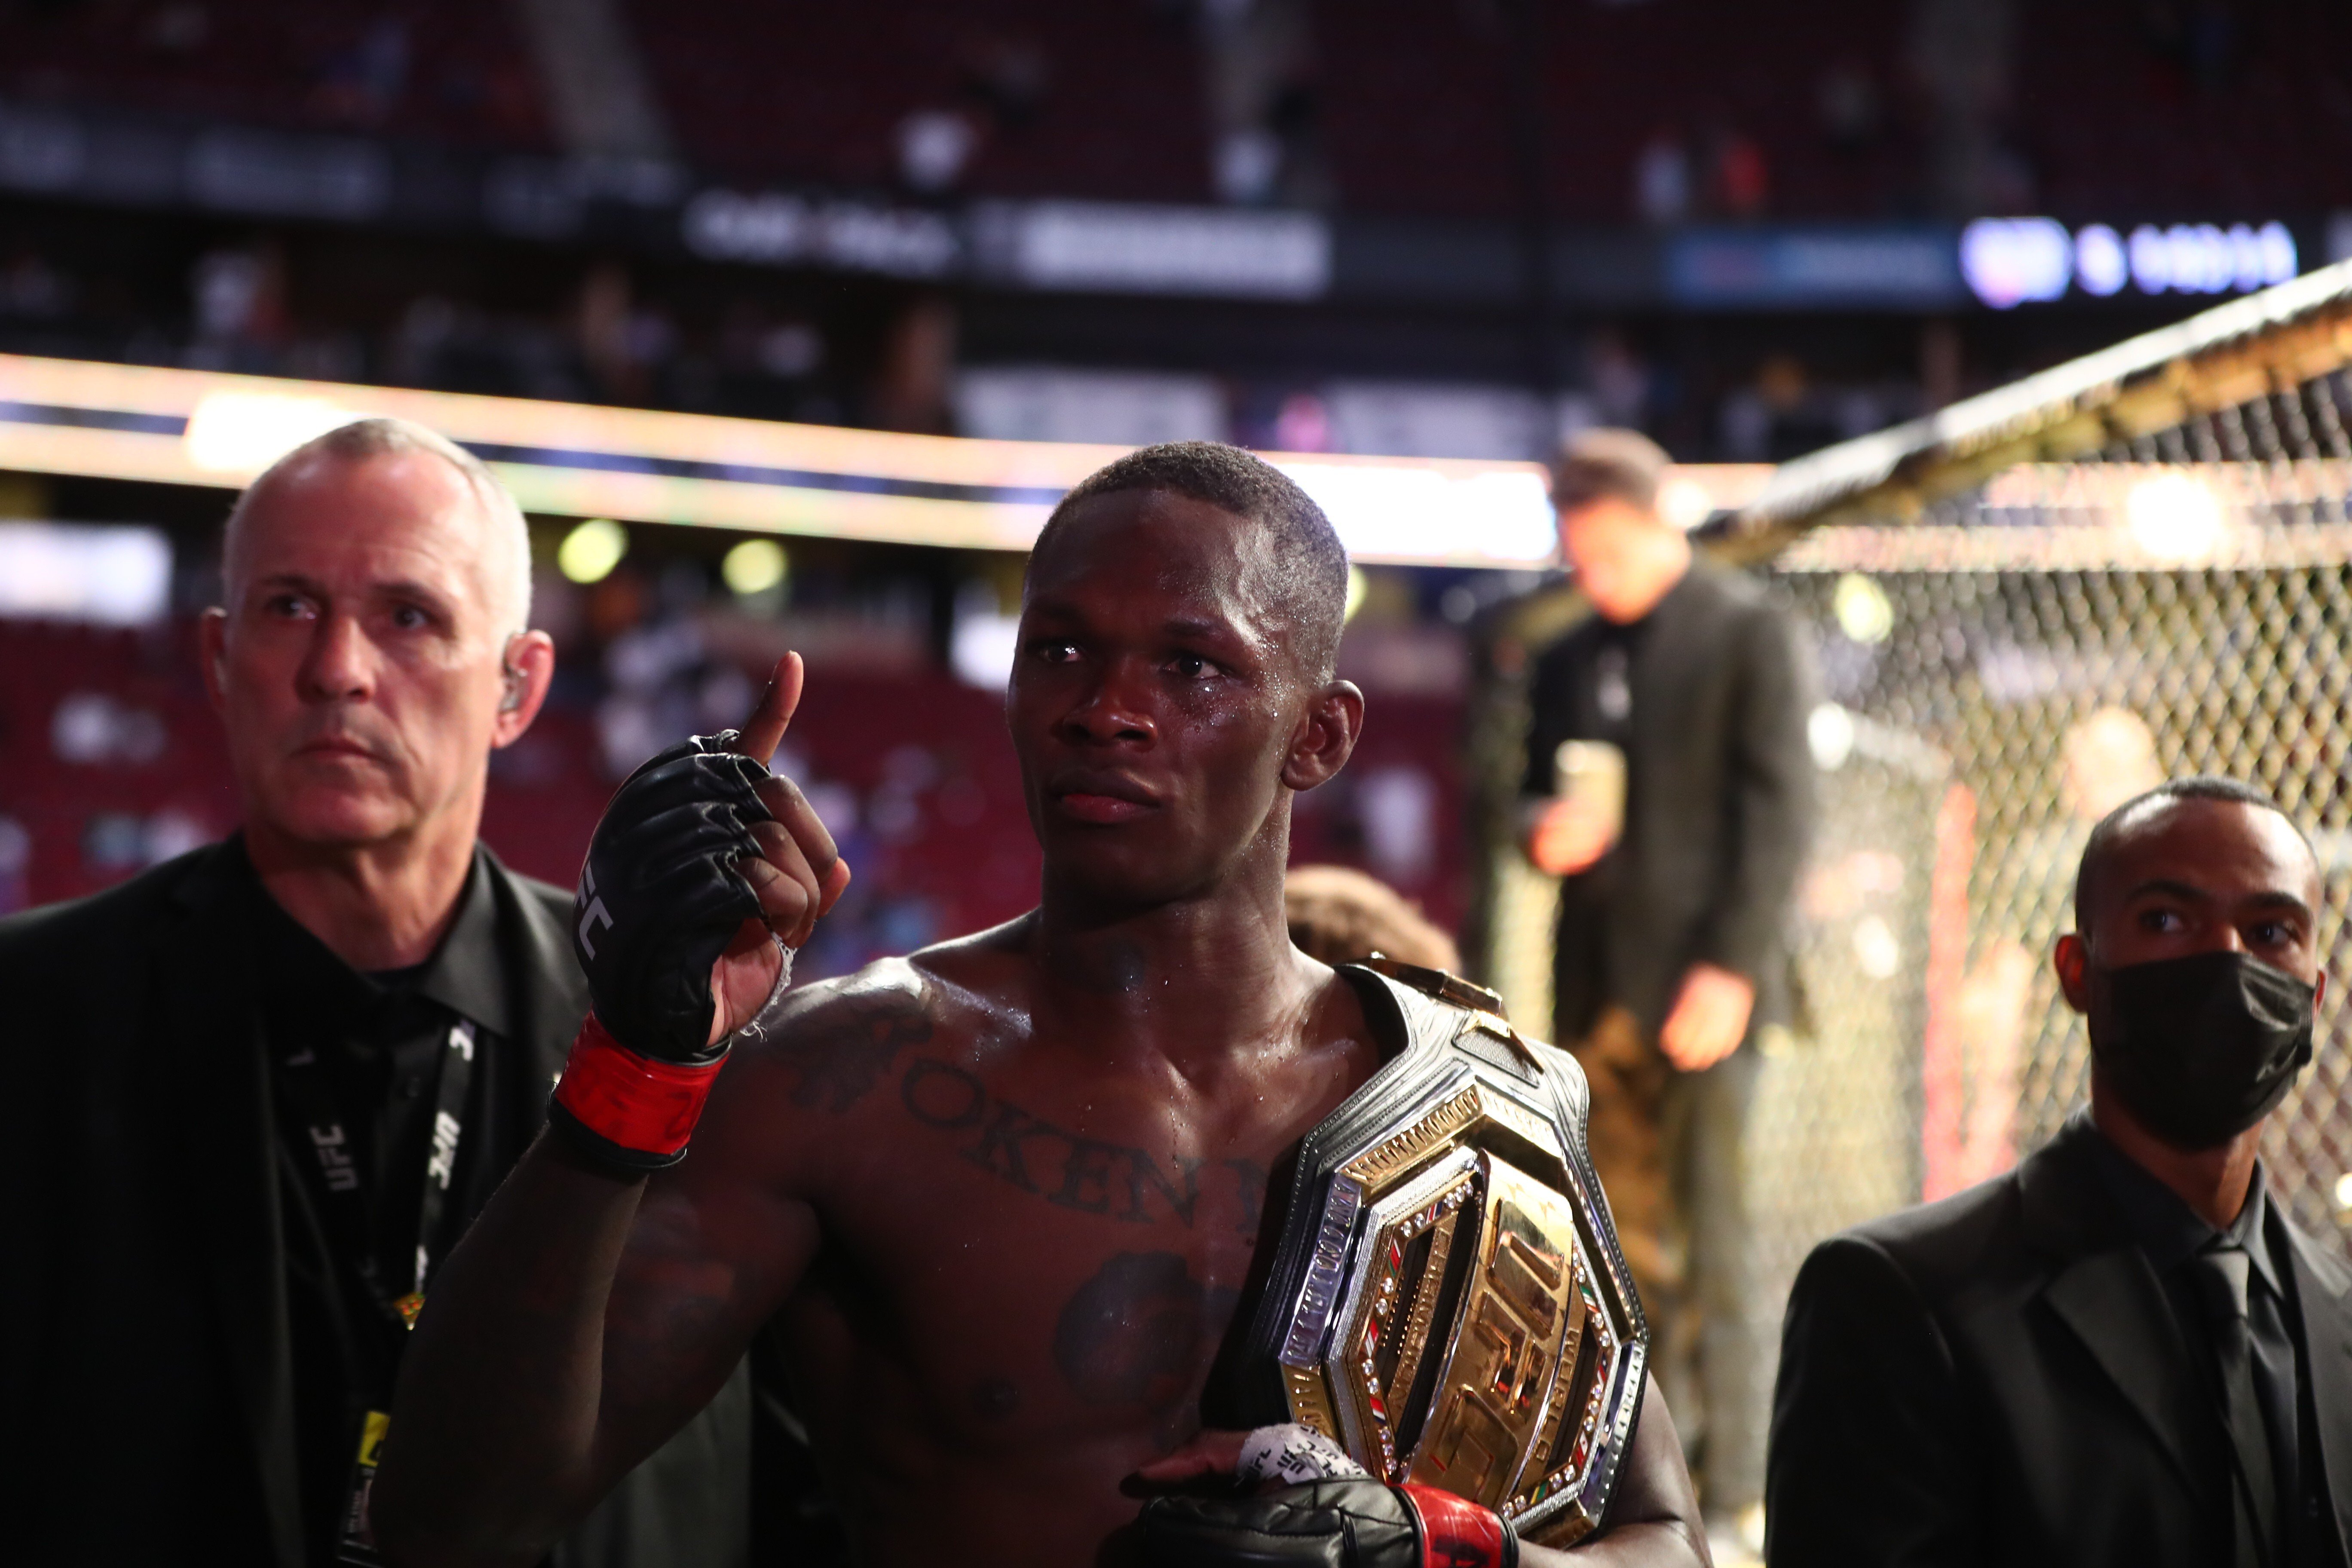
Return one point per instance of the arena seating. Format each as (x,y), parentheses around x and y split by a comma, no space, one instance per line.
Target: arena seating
(1073,97)
(940,842)
(2110,115)
(2116,109)
(2239,111)
(440,69)
(1417,100)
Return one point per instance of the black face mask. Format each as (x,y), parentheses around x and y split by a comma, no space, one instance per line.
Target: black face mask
(2199,1048)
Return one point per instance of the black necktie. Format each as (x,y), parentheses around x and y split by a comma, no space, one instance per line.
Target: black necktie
(2222,1272)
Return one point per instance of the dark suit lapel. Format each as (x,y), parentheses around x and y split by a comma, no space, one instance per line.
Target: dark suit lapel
(2104,1292)
(215,1055)
(2116,1308)
(2324,1296)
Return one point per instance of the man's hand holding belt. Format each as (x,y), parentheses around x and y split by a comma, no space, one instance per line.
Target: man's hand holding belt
(704,875)
(1314,1506)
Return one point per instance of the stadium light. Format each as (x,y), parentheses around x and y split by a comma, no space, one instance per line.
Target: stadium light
(109,575)
(590,552)
(2175,517)
(242,433)
(2009,260)
(747,476)
(754,567)
(2101,265)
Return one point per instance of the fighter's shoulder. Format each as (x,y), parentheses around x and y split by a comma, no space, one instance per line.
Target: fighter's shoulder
(886,990)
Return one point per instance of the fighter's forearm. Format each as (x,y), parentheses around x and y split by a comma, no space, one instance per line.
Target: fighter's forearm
(495,1441)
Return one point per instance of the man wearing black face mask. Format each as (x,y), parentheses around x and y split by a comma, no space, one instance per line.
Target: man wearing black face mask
(2122,1352)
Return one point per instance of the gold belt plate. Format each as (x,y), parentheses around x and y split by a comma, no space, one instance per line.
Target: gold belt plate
(1482,1339)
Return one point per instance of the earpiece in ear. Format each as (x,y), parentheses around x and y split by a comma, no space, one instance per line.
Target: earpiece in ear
(515,680)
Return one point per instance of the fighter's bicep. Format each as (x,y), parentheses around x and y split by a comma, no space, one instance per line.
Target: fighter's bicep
(705,1264)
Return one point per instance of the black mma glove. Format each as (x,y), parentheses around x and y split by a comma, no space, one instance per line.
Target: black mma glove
(1352,1523)
(660,897)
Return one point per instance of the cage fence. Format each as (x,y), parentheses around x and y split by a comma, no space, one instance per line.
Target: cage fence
(2007,647)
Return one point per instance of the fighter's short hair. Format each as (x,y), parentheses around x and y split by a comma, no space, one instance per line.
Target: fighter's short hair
(2101,845)
(1622,464)
(1308,563)
(382,436)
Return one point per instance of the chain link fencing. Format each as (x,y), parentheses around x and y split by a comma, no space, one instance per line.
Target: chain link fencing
(2008,647)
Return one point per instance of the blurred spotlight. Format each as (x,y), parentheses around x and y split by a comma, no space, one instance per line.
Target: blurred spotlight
(754,567)
(590,552)
(111,575)
(1685,503)
(2174,518)
(2344,1191)
(1830,733)
(1863,609)
(1876,947)
(2007,261)
(1356,589)
(934,145)
(243,433)
(2100,264)
(985,640)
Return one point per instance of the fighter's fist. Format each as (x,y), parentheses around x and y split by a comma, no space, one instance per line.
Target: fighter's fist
(1327,1524)
(701,862)
(704,869)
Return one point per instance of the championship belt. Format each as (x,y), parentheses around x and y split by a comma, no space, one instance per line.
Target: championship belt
(1446,1297)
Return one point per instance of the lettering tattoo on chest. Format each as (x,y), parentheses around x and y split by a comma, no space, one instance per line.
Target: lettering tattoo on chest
(1118,1180)
(839,1057)
(1141,1334)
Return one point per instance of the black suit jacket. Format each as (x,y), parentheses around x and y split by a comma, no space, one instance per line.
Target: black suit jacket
(1718,802)
(1996,1379)
(146,1410)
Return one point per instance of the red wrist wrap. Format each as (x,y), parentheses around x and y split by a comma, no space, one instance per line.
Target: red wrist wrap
(646,1106)
(1457,1533)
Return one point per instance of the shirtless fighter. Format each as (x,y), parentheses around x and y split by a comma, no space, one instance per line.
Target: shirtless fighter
(998,1199)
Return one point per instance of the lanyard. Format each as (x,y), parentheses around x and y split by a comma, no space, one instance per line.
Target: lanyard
(345,1209)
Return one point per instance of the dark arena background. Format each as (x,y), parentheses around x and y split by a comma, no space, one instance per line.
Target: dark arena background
(2007,344)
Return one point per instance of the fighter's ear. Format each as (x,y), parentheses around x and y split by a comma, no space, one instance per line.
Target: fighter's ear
(1325,738)
(2072,959)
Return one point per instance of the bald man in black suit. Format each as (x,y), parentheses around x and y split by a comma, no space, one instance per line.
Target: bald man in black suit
(2123,1352)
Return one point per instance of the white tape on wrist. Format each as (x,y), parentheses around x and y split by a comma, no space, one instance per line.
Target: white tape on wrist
(1291,1454)
(765,1019)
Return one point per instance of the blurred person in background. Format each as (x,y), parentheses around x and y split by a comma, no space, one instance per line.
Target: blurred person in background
(2123,1350)
(258,1093)
(1341,915)
(1670,785)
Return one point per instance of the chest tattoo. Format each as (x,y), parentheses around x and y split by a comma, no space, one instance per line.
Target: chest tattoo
(1025,1151)
(838,1061)
(1139,1334)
